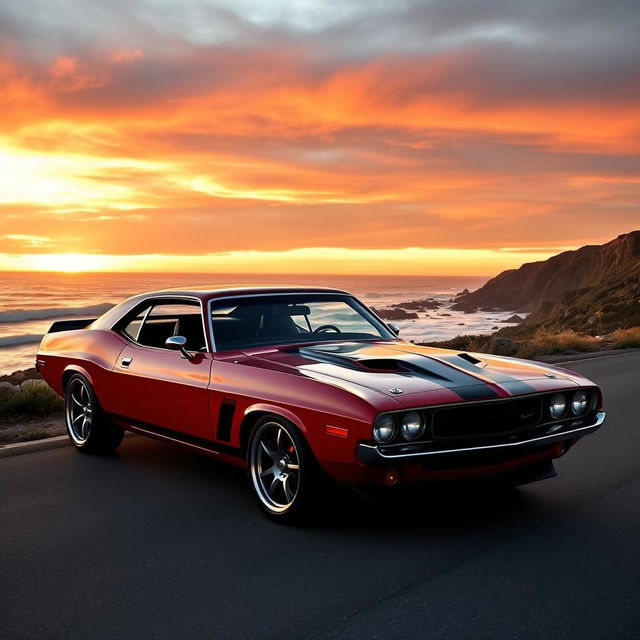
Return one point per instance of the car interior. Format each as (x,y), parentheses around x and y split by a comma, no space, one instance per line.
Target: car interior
(153,330)
(255,322)
(234,327)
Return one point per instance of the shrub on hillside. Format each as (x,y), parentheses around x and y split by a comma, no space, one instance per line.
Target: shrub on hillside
(622,338)
(545,341)
(37,400)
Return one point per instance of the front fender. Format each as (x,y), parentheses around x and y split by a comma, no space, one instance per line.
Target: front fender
(264,407)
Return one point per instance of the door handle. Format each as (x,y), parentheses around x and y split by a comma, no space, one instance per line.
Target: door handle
(126,361)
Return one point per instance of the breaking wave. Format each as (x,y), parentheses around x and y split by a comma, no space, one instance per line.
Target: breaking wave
(9,341)
(21,315)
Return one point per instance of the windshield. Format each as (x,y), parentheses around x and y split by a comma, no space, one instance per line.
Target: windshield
(240,323)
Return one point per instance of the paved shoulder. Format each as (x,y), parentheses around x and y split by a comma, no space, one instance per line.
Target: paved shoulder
(574,577)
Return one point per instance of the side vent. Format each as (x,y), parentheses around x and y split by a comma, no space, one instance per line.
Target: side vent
(225,419)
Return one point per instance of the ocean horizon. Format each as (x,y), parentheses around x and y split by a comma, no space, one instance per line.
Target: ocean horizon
(31,301)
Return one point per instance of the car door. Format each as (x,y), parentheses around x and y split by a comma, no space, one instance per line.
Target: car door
(156,387)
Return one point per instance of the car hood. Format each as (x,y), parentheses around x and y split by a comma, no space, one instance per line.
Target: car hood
(411,374)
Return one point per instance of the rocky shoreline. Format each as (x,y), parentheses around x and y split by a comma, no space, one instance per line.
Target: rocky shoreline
(593,290)
(18,377)
(27,424)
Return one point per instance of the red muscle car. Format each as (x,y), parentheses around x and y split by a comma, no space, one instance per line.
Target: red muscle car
(301,383)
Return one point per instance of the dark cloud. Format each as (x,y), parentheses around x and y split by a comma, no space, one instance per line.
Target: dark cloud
(489,51)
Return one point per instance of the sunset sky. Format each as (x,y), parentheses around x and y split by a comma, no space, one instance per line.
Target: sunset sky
(415,137)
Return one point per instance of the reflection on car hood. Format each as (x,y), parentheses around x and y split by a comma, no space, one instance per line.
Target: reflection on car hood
(400,369)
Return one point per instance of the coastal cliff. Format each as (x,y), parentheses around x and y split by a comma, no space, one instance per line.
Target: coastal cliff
(595,289)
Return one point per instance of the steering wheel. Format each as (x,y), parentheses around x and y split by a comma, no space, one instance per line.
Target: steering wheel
(327,327)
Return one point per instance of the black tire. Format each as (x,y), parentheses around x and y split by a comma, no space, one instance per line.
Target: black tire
(88,428)
(287,490)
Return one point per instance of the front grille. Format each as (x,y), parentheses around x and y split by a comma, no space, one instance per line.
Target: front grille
(482,420)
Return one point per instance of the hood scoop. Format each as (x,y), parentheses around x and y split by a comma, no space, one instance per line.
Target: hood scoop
(469,358)
(382,364)
(402,364)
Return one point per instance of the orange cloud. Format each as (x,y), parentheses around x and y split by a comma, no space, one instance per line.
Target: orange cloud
(68,74)
(157,135)
(127,56)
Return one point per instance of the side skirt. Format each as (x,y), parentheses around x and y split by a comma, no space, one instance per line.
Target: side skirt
(168,435)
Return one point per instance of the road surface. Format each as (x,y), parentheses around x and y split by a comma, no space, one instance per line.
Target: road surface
(159,542)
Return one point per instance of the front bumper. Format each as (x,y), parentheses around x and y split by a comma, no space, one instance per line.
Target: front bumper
(373,455)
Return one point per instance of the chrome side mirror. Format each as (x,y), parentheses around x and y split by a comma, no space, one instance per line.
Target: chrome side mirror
(394,328)
(178,343)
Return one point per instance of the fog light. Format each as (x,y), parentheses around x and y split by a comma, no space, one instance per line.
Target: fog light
(559,450)
(558,405)
(391,478)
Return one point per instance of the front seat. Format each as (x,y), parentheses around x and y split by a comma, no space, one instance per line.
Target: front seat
(191,328)
(274,325)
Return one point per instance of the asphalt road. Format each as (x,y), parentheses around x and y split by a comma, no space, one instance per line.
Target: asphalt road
(158,542)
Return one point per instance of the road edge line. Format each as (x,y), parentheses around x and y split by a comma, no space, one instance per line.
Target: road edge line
(44,444)
(19,448)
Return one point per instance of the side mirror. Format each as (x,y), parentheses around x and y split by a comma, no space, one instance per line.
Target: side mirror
(178,343)
(394,328)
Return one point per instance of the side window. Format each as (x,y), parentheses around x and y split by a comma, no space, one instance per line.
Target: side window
(132,328)
(160,320)
(173,319)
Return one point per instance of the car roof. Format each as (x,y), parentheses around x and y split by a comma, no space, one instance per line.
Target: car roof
(205,293)
(224,290)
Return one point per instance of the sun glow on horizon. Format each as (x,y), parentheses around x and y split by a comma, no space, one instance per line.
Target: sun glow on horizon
(306,261)
(65,262)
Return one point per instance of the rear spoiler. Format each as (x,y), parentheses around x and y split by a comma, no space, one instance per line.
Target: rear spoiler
(70,325)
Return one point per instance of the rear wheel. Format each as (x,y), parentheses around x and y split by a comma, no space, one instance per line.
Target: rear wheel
(282,471)
(89,430)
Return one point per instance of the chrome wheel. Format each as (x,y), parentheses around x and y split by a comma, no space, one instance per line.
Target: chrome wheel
(274,465)
(78,411)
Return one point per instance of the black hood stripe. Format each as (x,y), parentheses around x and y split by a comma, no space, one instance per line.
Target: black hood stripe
(515,386)
(466,385)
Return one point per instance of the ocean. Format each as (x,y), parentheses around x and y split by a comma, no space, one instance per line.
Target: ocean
(30,302)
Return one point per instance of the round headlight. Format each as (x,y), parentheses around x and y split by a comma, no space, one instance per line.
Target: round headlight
(579,402)
(412,425)
(384,429)
(557,405)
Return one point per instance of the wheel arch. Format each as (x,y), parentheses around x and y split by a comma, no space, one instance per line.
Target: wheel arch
(255,413)
(70,370)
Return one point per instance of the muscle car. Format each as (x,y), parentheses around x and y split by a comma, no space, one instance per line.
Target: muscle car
(300,385)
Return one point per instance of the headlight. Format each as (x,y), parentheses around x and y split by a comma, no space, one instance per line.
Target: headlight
(557,405)
(579,402)
(384,429)
(412,426)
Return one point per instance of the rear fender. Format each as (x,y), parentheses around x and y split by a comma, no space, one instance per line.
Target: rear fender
(75,368)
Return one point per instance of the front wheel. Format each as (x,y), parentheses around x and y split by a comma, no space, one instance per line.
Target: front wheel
(89,430)
(282,470)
